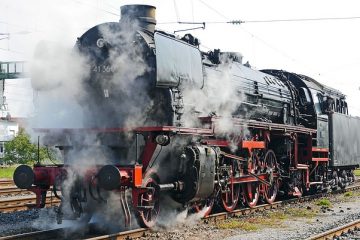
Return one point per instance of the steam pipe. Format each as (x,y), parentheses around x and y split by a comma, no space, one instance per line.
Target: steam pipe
(167,186)
(177,186)
(38,151)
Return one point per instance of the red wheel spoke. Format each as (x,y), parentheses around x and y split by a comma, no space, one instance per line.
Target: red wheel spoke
(204,205)
(230,198)
(270,192)
(147,216)
(251,194)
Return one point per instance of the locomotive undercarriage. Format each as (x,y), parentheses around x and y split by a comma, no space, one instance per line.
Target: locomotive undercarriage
(204,168)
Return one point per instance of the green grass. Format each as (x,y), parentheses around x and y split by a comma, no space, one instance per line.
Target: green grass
(277,215)
(357,172)
(349,194)
(272,219)
(300,213)
(323,202)
(7,172)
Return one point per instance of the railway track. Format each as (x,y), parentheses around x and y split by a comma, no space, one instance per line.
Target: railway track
(4,191)
(72,233)
(142,232)
(348,231)
(39,235)
(24,203)
(264,207)
(11,202)
(6,183)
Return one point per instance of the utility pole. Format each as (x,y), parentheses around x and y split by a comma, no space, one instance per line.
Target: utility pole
(10,70)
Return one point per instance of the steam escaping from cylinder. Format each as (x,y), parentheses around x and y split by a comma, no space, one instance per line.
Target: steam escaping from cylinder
(61,76)
(77,90)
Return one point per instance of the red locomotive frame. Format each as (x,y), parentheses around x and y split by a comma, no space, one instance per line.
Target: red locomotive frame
(145,189)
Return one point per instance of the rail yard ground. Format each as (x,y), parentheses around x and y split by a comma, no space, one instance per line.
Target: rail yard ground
(295,221)
(298,221)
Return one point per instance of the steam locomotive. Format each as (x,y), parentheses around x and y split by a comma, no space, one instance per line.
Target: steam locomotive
(164,118)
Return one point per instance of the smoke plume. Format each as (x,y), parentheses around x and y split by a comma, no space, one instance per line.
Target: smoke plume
(61,76)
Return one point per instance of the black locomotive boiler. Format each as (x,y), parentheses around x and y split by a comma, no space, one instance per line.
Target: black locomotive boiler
(200,127)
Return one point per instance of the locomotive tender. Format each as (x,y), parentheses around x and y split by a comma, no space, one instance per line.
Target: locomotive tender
(198,126)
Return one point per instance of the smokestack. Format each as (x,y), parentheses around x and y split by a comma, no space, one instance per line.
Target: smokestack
(143,14)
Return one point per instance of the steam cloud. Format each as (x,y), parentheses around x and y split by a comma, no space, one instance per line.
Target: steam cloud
(219,97)
(64,101)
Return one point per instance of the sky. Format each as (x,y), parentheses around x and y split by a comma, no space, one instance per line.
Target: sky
(328,51)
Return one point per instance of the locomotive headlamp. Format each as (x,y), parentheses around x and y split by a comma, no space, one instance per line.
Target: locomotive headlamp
(109,177)
(100,43)
(162,139)
(24,177)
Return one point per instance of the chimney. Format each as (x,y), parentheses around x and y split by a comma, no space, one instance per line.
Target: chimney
(143,14)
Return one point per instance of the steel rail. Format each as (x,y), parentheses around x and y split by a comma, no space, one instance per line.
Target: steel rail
(141,232)
(225,215)
(38,235)
(131,234)
(6,183)
(277,204)
(336,232)
(24,203)
(71,233)
(13,191)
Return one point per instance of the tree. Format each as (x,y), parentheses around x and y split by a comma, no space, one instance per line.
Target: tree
(20,150)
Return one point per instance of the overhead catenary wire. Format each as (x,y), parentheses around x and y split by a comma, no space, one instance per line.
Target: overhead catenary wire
(237,22)
(213,9)
(294,20)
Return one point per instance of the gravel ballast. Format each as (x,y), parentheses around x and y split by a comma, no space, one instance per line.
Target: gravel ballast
(342,209)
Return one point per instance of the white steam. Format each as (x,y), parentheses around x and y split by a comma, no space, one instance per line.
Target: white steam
(63,100)
(57,75)
(219,97)
(120,99)
(128,66)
